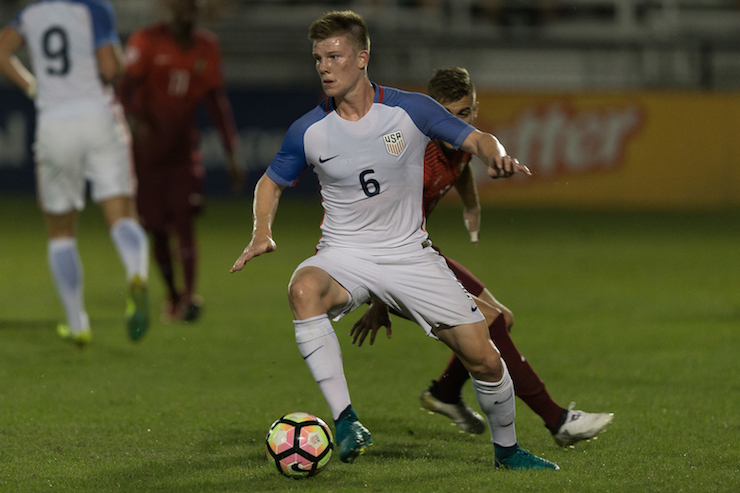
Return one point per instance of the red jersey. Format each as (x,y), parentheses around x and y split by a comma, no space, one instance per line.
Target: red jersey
(165,82)
(442,168)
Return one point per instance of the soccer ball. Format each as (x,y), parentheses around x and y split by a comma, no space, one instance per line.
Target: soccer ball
(300,445)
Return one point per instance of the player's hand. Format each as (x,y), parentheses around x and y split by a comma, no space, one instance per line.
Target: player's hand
(373,319)
(236,175)
(471,217)
(506,166)
(256,247)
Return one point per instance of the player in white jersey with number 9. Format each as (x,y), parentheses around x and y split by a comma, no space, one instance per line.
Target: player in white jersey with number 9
(366,143)
(81,137)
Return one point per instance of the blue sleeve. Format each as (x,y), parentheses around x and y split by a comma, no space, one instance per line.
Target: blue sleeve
(104,24)
(290,161)
(430,117)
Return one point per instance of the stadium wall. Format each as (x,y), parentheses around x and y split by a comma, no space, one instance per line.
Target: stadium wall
(620,150)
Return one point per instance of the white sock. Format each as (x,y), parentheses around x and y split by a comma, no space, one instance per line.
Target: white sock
(496,400)
(66,269)
(133,247)
(320,349)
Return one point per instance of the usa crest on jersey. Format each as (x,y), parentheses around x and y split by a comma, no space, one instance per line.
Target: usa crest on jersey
(394,143)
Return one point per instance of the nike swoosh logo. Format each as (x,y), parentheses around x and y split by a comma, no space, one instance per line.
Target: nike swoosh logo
(474,308)
(501,402)
(322,161)
(309,354)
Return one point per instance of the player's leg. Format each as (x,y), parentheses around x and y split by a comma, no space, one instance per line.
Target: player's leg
(163,257)
(494,391)
(186,202)
(529,387)
(425,289)
(152,207)
(567,426)
(132,245)
(110,169)
(127,235)
(190,303)
(444,395)
(61,187)
(312,293)
(66,269)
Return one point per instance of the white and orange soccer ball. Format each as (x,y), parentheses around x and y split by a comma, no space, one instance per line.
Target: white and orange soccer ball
(299,444)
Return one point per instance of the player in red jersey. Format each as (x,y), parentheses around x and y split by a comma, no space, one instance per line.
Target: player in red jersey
(173,67)
(445,167)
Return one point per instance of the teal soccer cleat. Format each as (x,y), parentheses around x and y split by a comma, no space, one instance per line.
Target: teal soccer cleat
(523,460)
(137,309)
(352,438)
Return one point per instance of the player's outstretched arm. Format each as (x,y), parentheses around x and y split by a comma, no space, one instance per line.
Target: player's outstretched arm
(373,319)
(10,66)
(266,199)
(488,148)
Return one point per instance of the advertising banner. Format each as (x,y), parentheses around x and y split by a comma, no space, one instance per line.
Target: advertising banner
(661,150)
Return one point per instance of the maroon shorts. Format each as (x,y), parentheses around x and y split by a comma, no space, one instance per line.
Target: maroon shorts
(471,283)
(169,191)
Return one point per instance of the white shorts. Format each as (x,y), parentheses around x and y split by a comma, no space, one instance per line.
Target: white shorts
(420,286)
(71,151)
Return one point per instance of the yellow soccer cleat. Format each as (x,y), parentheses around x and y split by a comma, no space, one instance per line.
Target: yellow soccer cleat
(80,339)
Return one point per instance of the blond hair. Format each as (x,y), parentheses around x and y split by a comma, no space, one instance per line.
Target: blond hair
(341,23)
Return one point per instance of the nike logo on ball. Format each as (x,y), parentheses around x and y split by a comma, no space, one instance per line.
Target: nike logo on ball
(322,161)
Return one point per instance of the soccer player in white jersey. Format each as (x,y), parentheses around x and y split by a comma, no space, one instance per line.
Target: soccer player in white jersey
(80,136)
(366,143)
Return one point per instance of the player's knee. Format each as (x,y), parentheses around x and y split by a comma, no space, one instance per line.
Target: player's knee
(486,366)
(303,290)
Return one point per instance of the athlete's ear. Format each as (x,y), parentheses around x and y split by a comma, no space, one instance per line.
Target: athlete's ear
(476,105)
(363,58)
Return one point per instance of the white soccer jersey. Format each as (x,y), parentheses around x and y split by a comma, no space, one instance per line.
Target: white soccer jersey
(63,37)
(371,171)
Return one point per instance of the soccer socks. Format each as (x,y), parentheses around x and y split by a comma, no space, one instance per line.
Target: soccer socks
(529,388)
(319,346)
(66,269)
(496,400)
(133,247)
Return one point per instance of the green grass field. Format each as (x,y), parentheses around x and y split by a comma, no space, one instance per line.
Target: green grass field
(634,313)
